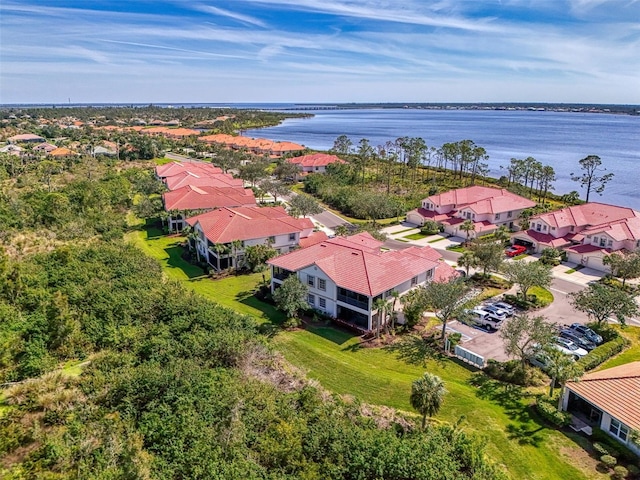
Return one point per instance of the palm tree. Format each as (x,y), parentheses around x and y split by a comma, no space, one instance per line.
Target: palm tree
(468,226)
(236,246)
(561,368)
(219,249)
(427,394)
(396,295)
(467,260)
(384,308)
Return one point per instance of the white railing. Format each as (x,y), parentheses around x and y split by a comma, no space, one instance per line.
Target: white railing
(468,356)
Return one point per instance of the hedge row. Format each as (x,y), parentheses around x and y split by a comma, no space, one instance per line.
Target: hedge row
(549,411)
(602,353)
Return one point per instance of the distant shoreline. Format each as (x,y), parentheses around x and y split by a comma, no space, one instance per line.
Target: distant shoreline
(618,109)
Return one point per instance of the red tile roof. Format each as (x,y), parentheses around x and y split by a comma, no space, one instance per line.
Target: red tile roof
(550,240)
(175,168)
(431,214)
(589,215)
(482,199)
(61,152)
(444,272)
(315,160)
(614,390)
(586,249)
(313,239)
(191,197)
(356,263)
(202,180)
(246,223)
(26,137)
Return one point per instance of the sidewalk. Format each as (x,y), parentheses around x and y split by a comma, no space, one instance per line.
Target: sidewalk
(438,241)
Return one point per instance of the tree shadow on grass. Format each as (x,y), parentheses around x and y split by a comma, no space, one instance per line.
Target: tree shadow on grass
(335,335)
(415,350)
(525,435)
(510,397)
(176,261)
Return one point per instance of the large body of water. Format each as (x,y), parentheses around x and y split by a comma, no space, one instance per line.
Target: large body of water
(553,138)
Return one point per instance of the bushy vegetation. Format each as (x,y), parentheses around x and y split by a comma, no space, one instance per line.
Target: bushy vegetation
(175,388)
(336,190)
(603,352)
(514,372)
(548,409)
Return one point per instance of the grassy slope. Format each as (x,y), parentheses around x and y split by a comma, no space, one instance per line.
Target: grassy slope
(514,437)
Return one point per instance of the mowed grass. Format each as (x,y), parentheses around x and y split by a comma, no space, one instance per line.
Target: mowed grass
(417,236)
(235,292)
(631,354)
(514,436)
(501,415)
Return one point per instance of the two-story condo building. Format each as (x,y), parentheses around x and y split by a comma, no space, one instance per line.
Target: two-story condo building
(217,230)
(189,200)
(488,208)
(586,232)
(346,275)
(314,163)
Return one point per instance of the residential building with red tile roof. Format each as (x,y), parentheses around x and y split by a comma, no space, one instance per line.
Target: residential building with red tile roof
(346,275)
(201,179)
(61,152)
(26,138)
(217,230)
(488,208)
(314,163)
(176,168)
(587,232)
(608,399)
(45,147)
(189,200)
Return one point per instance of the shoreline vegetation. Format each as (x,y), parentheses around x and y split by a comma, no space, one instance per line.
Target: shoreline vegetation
(522,106)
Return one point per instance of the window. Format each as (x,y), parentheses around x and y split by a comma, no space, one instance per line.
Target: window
(538,227)
(322,284)
(311,280)
(272,239)
(553,228)
(595,240)
(609,243)
(322,302)
(497,216)
(619,430)
(429,273)
(603,242)
(414,281)
(292,237)
(544,227)
(509,214)
(311,299)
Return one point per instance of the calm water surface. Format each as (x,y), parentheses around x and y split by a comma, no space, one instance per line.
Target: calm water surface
(553,138)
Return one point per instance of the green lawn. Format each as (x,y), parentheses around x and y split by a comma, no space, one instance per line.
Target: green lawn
(235,292)
(631,354)
(501,415)
(162,161)
(417,236)
(404,230)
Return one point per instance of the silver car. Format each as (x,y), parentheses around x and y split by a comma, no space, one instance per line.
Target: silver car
(568,347)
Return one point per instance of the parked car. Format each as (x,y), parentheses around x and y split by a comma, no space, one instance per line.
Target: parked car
(484,319)
(510,309)
(587,333)
(568,347)
(515,250)
(493,308)
(578,339)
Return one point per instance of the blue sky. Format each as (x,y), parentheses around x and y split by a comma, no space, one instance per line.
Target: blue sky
(584,51)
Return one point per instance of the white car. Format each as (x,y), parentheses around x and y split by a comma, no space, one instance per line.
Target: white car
(510,309)
(568,347)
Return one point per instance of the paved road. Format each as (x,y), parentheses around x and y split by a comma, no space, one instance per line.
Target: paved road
(330,220)
(182,158)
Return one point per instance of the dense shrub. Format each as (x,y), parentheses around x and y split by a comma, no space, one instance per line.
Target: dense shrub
(608,461)
(613,447)
(551,256)
(547,408)
(619,472)
(602,353)
(431,228)
(513,372)
(604,449)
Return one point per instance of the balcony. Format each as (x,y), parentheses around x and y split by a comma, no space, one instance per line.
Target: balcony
(353,298)
(281,273)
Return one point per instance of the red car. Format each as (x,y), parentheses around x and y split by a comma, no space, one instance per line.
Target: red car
(515,250)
